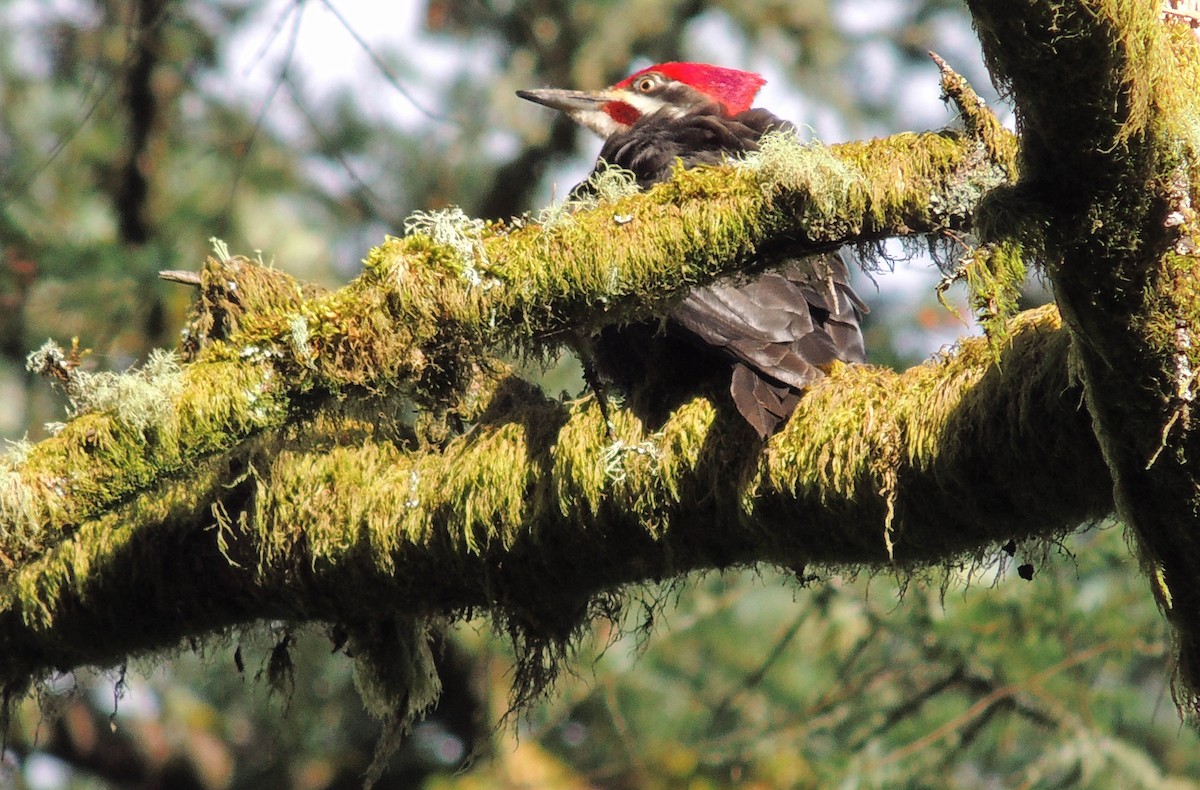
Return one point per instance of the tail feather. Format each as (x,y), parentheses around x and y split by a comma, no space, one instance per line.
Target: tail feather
(762,404)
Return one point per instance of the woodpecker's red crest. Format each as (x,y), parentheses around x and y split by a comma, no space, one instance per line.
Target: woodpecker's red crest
(672,88)
(735,89)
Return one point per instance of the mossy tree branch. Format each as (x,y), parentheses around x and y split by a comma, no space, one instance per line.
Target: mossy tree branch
(266,351)
(209,479)
(536,511)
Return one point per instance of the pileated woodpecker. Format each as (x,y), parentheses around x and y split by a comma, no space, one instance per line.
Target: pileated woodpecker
(777,330)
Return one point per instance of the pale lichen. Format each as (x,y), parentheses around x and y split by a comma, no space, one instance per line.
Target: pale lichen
(462,234)
(139,398)
(301,348)
(783,160)
(607,184)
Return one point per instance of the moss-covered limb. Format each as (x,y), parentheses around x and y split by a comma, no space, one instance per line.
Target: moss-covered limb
(262,342)
(537,510)
(994,272)
(957,452)
(978,120)
(174,549)
(421,304)
(136,431)
(120,577)
(104,457)
(1109,98)
(1088,80)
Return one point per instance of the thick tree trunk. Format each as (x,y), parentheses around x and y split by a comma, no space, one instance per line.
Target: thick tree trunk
(1109,95)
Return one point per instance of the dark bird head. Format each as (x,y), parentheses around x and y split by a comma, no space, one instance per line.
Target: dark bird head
(669,88)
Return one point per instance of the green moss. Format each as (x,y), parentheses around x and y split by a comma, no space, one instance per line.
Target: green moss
(1109,161)
(863,449)
(134,430)
(71,569)
(312,502)
(994,275)
(490,486)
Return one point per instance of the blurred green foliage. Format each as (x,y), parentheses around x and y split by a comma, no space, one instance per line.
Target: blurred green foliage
(750,681)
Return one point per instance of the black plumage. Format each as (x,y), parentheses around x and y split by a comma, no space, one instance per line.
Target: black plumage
(768,336)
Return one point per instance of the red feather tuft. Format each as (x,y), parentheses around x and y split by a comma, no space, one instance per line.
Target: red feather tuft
(735,89)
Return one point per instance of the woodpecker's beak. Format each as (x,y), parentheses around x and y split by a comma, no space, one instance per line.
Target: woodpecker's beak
(567,101)
(586,108)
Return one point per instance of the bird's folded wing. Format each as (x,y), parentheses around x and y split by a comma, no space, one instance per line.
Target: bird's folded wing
(785,324)
(781,329)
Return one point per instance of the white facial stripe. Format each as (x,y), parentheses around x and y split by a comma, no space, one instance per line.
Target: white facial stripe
(597,120)
(646,105)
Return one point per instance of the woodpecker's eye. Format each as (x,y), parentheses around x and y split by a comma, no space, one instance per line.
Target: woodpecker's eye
(646,84)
